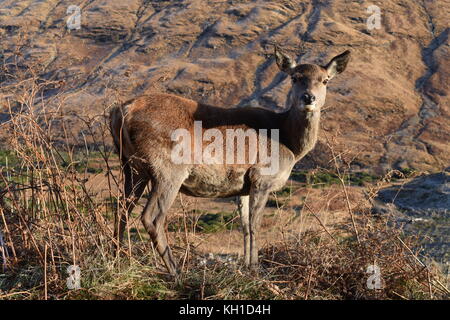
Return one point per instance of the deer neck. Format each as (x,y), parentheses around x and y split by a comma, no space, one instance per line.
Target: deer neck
(301,130)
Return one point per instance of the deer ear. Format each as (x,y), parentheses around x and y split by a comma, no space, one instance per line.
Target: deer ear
(284,62)
(337,64)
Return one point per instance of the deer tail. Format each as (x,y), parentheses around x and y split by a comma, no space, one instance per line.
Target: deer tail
(120,132)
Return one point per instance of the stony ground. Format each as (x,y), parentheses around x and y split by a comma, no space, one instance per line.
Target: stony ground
(422,207)
(390,108)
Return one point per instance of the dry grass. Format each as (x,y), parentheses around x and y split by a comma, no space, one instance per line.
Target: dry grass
(50,219)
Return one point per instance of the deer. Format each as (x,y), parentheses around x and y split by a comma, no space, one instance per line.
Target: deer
(142,131)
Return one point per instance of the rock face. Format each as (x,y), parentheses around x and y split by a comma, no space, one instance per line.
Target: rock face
(425,195)
(422,207)
(389,108)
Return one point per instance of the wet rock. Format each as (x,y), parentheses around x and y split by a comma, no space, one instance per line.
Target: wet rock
(422,207)
(424,195)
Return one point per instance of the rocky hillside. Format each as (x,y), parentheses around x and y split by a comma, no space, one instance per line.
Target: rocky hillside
(389,109)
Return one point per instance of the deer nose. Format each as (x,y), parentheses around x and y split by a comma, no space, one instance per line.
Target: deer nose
(308,98)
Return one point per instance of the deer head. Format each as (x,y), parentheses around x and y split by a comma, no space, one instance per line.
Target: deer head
(309,81)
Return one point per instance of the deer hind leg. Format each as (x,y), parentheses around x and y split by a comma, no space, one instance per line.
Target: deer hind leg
(258,199)
(162,195)
(134,187)
(243,208)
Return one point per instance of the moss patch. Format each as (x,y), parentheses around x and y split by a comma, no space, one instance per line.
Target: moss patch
(325,178)
(207,223)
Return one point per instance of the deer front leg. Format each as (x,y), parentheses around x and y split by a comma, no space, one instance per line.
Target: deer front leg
(243,208)
(134,187)
(258,199)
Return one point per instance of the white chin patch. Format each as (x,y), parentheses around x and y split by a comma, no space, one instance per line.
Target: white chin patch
(310,107)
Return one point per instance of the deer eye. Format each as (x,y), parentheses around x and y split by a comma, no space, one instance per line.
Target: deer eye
(325,81)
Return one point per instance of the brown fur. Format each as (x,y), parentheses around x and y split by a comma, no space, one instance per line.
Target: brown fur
(142,131)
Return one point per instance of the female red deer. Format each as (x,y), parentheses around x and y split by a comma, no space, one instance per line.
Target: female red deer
(143,134)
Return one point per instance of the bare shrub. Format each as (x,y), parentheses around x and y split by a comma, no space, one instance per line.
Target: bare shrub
(50,218)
